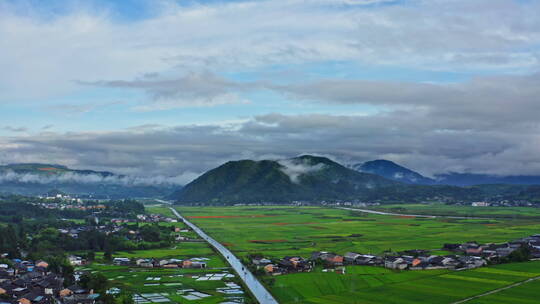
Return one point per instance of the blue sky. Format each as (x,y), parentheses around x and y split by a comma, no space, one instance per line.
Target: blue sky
(264,73)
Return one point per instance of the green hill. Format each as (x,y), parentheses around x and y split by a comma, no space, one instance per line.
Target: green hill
(38,179)
(303,178)
(48,169)
(317,179)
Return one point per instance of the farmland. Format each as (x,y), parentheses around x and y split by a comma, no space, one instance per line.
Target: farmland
(524,294)
(280,231)
(454,210)
(168,284)
(181,251)
(173,285)
(363,284)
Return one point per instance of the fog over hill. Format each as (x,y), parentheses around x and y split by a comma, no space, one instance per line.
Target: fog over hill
(301,178)
(37,179)
(315,179)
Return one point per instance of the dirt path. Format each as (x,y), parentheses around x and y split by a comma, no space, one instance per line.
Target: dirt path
(415,215)
(497,290)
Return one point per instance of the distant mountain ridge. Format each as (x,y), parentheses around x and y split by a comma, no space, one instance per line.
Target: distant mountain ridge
(391,170)
(297,179)
(41,168)
(467,179)
(39,179)
(314,179)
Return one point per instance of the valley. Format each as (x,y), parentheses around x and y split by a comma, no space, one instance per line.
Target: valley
(269,152)
(302,230)
(278,231)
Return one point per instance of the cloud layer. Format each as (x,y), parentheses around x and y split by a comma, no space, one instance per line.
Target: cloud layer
(417,139)
(89,45)
(77,178)
(273,79)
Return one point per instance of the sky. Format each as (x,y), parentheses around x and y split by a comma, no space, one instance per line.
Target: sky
(175,88)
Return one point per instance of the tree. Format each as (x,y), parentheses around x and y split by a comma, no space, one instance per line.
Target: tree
(95,281)
(519,255)
(107,256)
(60,265)
(150,233)
(107,298)
(126,298)
(90,255)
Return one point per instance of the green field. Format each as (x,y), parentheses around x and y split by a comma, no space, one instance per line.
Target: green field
(135,280)
(453,210)
(362,284)
(159,209)
(280,231)
(524,294)
(171,281)
(182,250)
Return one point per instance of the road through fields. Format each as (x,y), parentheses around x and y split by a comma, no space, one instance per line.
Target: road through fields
(257,289)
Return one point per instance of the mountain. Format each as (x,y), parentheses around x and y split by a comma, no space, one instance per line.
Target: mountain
(316,179)
(47,170)
(391,170)
(39,179)
(467,179)
(302,178)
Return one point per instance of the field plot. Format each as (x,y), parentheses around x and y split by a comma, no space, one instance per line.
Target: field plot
(156,285)
(280,231)
(181,250)
(364,284)
(453,210)
(527,293)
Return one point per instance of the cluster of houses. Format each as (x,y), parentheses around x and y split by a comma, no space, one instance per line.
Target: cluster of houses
(75,231)
(353,203)
(466,256)
(66,202)
(62,197)
(288,264)
(28,282)
(162,263)
(117,226)
(155,218)
(493,252)
(502,203)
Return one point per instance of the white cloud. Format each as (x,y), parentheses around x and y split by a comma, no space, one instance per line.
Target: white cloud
(189,90)
(295,169)
(71,177)
(44,57)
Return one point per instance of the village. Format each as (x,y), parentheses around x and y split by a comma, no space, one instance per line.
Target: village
(120,225)
(31,282)
(162,263)
(465,256)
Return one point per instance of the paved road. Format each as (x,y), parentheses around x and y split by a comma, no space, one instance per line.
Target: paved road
(415,215)
(257,289)
(496,290)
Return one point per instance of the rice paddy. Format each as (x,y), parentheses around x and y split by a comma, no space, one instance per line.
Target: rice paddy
(279,231)
(158,285)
